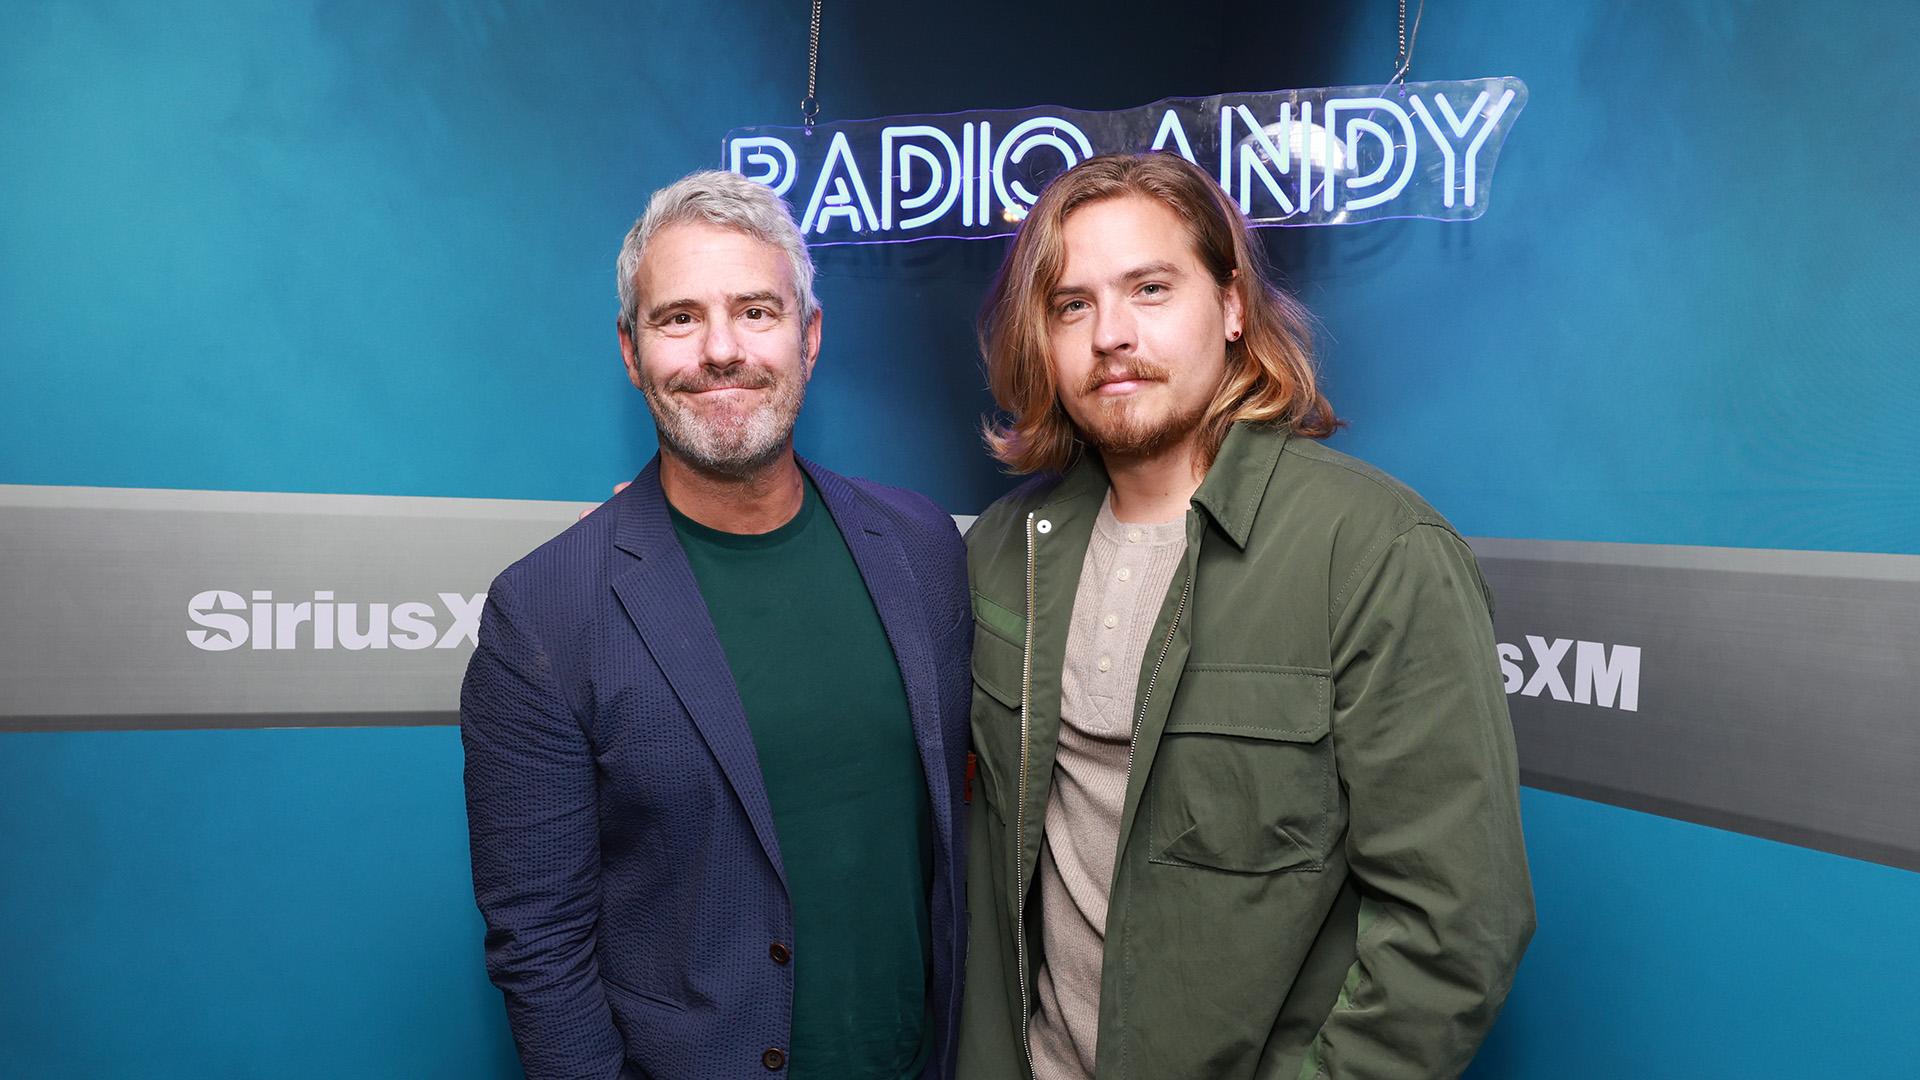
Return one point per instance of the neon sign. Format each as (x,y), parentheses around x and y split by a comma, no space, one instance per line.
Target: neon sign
(1331,156)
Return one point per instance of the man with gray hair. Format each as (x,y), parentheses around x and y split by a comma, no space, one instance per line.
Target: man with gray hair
(715,731)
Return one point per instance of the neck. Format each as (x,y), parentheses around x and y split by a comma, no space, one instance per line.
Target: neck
(1155,489)
(757,503)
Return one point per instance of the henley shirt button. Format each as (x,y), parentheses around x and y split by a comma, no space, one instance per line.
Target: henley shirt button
(1105,663)
(1125,573)
(1133,536)
(773,1058)
(1113,620)
(780,953)
(1043,526)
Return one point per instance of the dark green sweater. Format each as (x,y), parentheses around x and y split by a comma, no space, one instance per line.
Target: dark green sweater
(823,695)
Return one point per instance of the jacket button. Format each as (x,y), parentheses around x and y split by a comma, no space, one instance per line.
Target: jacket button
(780,953)
(773,1058)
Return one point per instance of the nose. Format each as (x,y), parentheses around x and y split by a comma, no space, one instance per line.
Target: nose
(722,345)
(1114,329)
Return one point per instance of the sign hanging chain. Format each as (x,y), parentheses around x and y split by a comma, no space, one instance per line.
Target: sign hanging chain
(1406,47)
(810,105)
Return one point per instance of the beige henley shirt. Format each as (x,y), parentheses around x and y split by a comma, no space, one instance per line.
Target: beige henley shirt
(1123,582)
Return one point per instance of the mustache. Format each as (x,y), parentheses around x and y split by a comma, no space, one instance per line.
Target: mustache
(1142,369)
(701,380)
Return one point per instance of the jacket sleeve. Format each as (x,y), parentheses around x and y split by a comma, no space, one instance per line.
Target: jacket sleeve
(534,826)
(1425,753)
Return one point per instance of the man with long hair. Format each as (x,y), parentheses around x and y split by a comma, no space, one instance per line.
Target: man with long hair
(1248,803)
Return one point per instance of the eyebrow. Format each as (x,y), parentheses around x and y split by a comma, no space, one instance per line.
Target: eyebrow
(764,298)
(1154,269)
(1149,270)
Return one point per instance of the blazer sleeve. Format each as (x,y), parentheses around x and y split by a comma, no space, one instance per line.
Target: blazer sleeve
(1425,751)
(533,821)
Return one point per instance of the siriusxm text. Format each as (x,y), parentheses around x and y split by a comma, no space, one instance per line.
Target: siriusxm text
(1602,676)
(229,621)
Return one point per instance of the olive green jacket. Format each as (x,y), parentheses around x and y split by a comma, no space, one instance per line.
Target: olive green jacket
(1320,870)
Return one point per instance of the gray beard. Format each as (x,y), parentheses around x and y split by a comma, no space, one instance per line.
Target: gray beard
(734,446)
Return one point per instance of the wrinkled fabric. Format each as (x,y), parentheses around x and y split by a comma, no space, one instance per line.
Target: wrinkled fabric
(1320,866)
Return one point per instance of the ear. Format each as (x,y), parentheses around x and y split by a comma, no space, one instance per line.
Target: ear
(810,343)
(630,353)
(1235,306)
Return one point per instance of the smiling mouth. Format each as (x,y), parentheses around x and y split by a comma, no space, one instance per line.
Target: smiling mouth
(735,381)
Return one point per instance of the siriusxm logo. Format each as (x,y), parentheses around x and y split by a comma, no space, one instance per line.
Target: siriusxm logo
(323,623)
(1600,676)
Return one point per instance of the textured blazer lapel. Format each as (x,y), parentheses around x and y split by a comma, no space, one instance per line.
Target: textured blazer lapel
(663,599)
(901,603)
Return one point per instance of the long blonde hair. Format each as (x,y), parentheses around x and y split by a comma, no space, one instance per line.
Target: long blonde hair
(1270,369)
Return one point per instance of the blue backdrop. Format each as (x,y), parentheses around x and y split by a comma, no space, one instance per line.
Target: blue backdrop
(358,247)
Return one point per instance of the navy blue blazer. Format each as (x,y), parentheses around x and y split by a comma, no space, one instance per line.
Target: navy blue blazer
(623,848)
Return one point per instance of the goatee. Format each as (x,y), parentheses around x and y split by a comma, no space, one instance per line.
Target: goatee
(1117,428)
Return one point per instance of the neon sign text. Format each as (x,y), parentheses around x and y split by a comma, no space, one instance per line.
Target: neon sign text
(1330,156)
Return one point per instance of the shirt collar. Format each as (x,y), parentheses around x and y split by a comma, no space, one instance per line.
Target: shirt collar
(1233,487)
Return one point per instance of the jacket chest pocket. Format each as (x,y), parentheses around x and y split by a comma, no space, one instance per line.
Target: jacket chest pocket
(998,668)
(1244,776)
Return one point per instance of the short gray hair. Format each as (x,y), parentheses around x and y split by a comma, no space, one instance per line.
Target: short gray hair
(731,201)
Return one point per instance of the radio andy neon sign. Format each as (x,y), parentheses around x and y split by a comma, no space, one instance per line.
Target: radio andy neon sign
(1330,156)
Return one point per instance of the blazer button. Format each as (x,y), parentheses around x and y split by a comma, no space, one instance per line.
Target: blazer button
(773,1058)
(780,953)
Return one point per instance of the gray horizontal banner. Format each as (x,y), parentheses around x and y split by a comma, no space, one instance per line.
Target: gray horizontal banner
(132,608)
(1767,692)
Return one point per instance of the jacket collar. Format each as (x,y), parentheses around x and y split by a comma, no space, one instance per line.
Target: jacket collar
(661,596)
(644,524)
(900,600)
(1231,491)
(1234,485)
